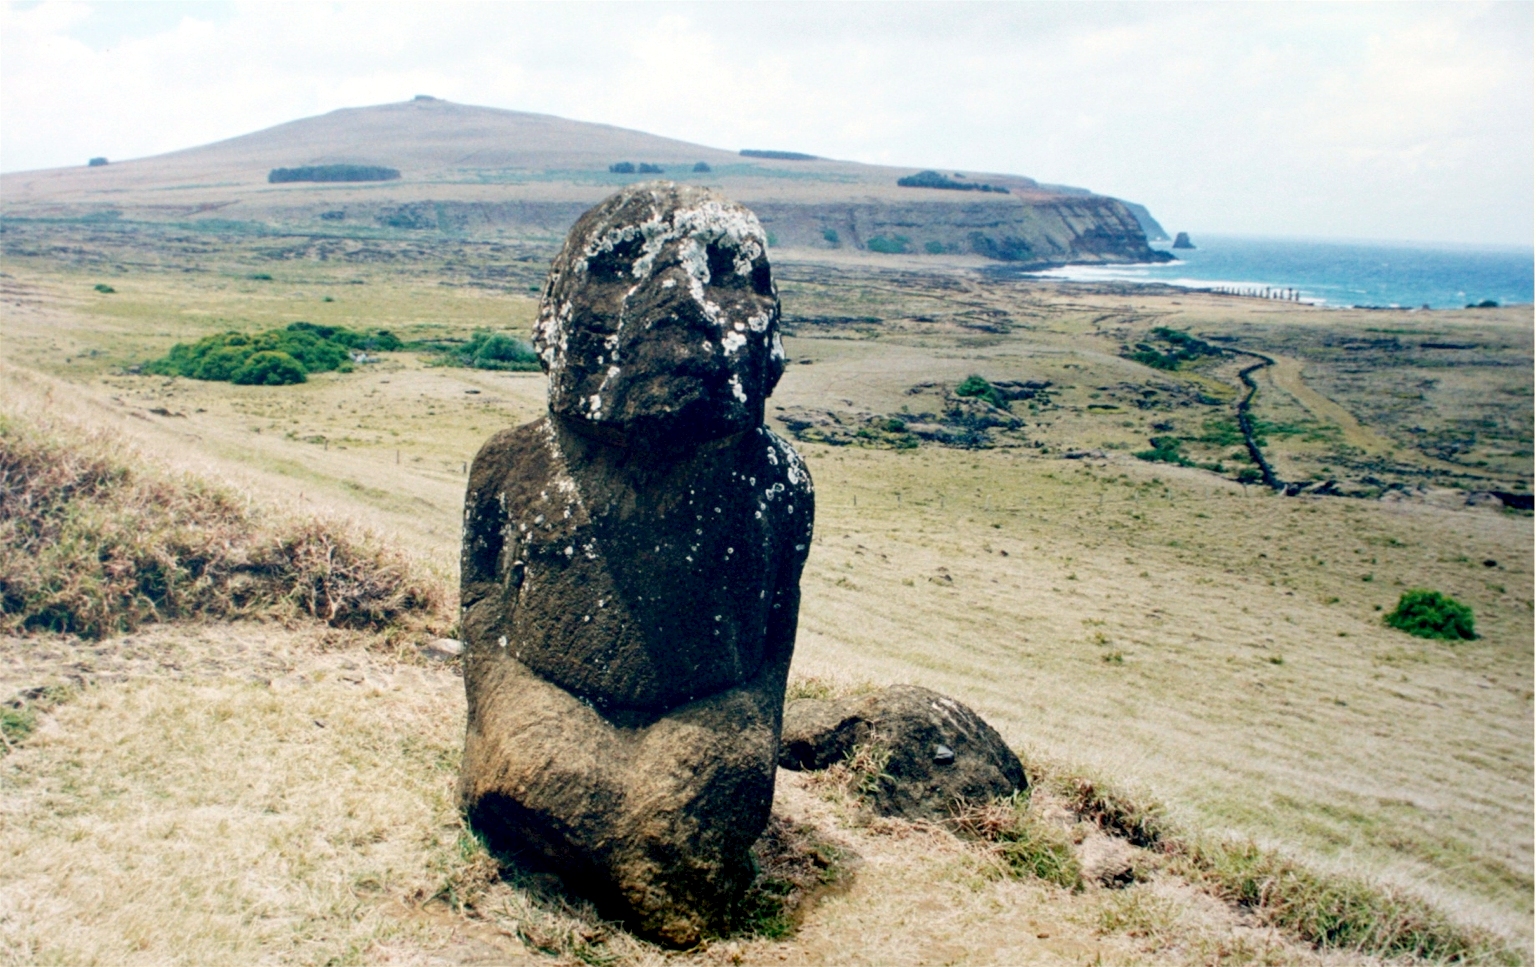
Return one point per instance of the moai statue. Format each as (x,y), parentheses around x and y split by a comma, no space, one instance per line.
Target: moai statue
(631,570)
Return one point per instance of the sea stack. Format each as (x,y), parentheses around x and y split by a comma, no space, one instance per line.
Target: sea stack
(631,568)
(1182,241)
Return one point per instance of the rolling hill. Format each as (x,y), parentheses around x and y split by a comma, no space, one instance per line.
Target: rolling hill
(478,170)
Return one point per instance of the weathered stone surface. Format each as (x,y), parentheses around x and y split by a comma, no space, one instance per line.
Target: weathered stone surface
(941,752)
(631,565)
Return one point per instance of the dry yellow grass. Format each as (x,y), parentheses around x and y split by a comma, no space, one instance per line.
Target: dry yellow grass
(1215,647)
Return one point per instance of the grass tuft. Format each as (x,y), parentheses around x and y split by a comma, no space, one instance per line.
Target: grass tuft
(1334,911)
(1142,823)
(1025,842)
(94,542)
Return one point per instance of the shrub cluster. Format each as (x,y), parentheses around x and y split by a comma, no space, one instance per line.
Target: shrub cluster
(332,173)
(1430,614)
(276,357)
(974,385)
(484,349)
(91,545)
(933,179)
(895,245)
(1178,348)
(643,168)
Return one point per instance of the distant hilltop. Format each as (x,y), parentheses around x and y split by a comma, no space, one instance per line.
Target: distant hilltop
(466,169)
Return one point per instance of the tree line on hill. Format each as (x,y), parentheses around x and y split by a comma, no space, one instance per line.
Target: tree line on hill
(333,173)
(933,179)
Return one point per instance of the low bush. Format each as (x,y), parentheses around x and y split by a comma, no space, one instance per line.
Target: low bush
(977,387)
(895,245)
(1177,349)
(1430,614)
(268,368)
(484,349)
(272,358)
(92,542)
(1165,449)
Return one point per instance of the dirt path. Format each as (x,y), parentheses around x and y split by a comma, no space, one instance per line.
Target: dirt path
(1286,374)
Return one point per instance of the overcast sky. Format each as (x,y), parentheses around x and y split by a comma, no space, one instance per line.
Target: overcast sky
(1378,120)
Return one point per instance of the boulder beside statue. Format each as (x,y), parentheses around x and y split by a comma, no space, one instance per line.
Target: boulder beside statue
(934,753)
(630,572)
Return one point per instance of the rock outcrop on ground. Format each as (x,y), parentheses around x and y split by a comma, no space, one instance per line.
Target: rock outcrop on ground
(631,565)
(925,753)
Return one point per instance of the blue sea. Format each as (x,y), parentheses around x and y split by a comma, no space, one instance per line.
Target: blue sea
(1336,273)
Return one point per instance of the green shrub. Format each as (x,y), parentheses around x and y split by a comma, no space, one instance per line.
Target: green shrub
(1430,614)
(105,289)
(975,386)
(232,356)
(895,245)
(269,369)
(1165,449)
(934,248)
(830,234)
(484,349)
(1178,348)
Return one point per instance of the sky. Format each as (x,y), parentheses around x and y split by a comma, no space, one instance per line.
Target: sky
(1399,122)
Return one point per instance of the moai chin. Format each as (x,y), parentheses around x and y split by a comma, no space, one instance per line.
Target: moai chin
(631,569)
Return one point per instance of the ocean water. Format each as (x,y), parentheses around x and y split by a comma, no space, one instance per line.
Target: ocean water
(1336,273)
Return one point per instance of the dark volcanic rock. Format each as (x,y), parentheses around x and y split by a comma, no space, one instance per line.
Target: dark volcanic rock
(1182,241)
(631,565)
(941,752)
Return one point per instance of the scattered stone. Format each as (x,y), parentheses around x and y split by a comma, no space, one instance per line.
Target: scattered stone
(1106,860)
(940,752)
(631,567)
(443,648)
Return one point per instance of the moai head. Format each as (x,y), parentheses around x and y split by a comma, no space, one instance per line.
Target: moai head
(659,323)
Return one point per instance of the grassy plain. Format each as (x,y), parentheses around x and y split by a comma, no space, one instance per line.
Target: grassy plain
(1211,644)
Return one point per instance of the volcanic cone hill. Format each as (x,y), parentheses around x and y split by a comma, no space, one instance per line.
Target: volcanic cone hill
(479,170)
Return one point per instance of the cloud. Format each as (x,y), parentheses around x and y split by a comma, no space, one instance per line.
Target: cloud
(1398,121)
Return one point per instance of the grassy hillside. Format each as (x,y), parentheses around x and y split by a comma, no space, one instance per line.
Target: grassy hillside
(1211,645)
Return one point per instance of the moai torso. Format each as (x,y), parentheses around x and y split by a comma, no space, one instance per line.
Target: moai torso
(636,584)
